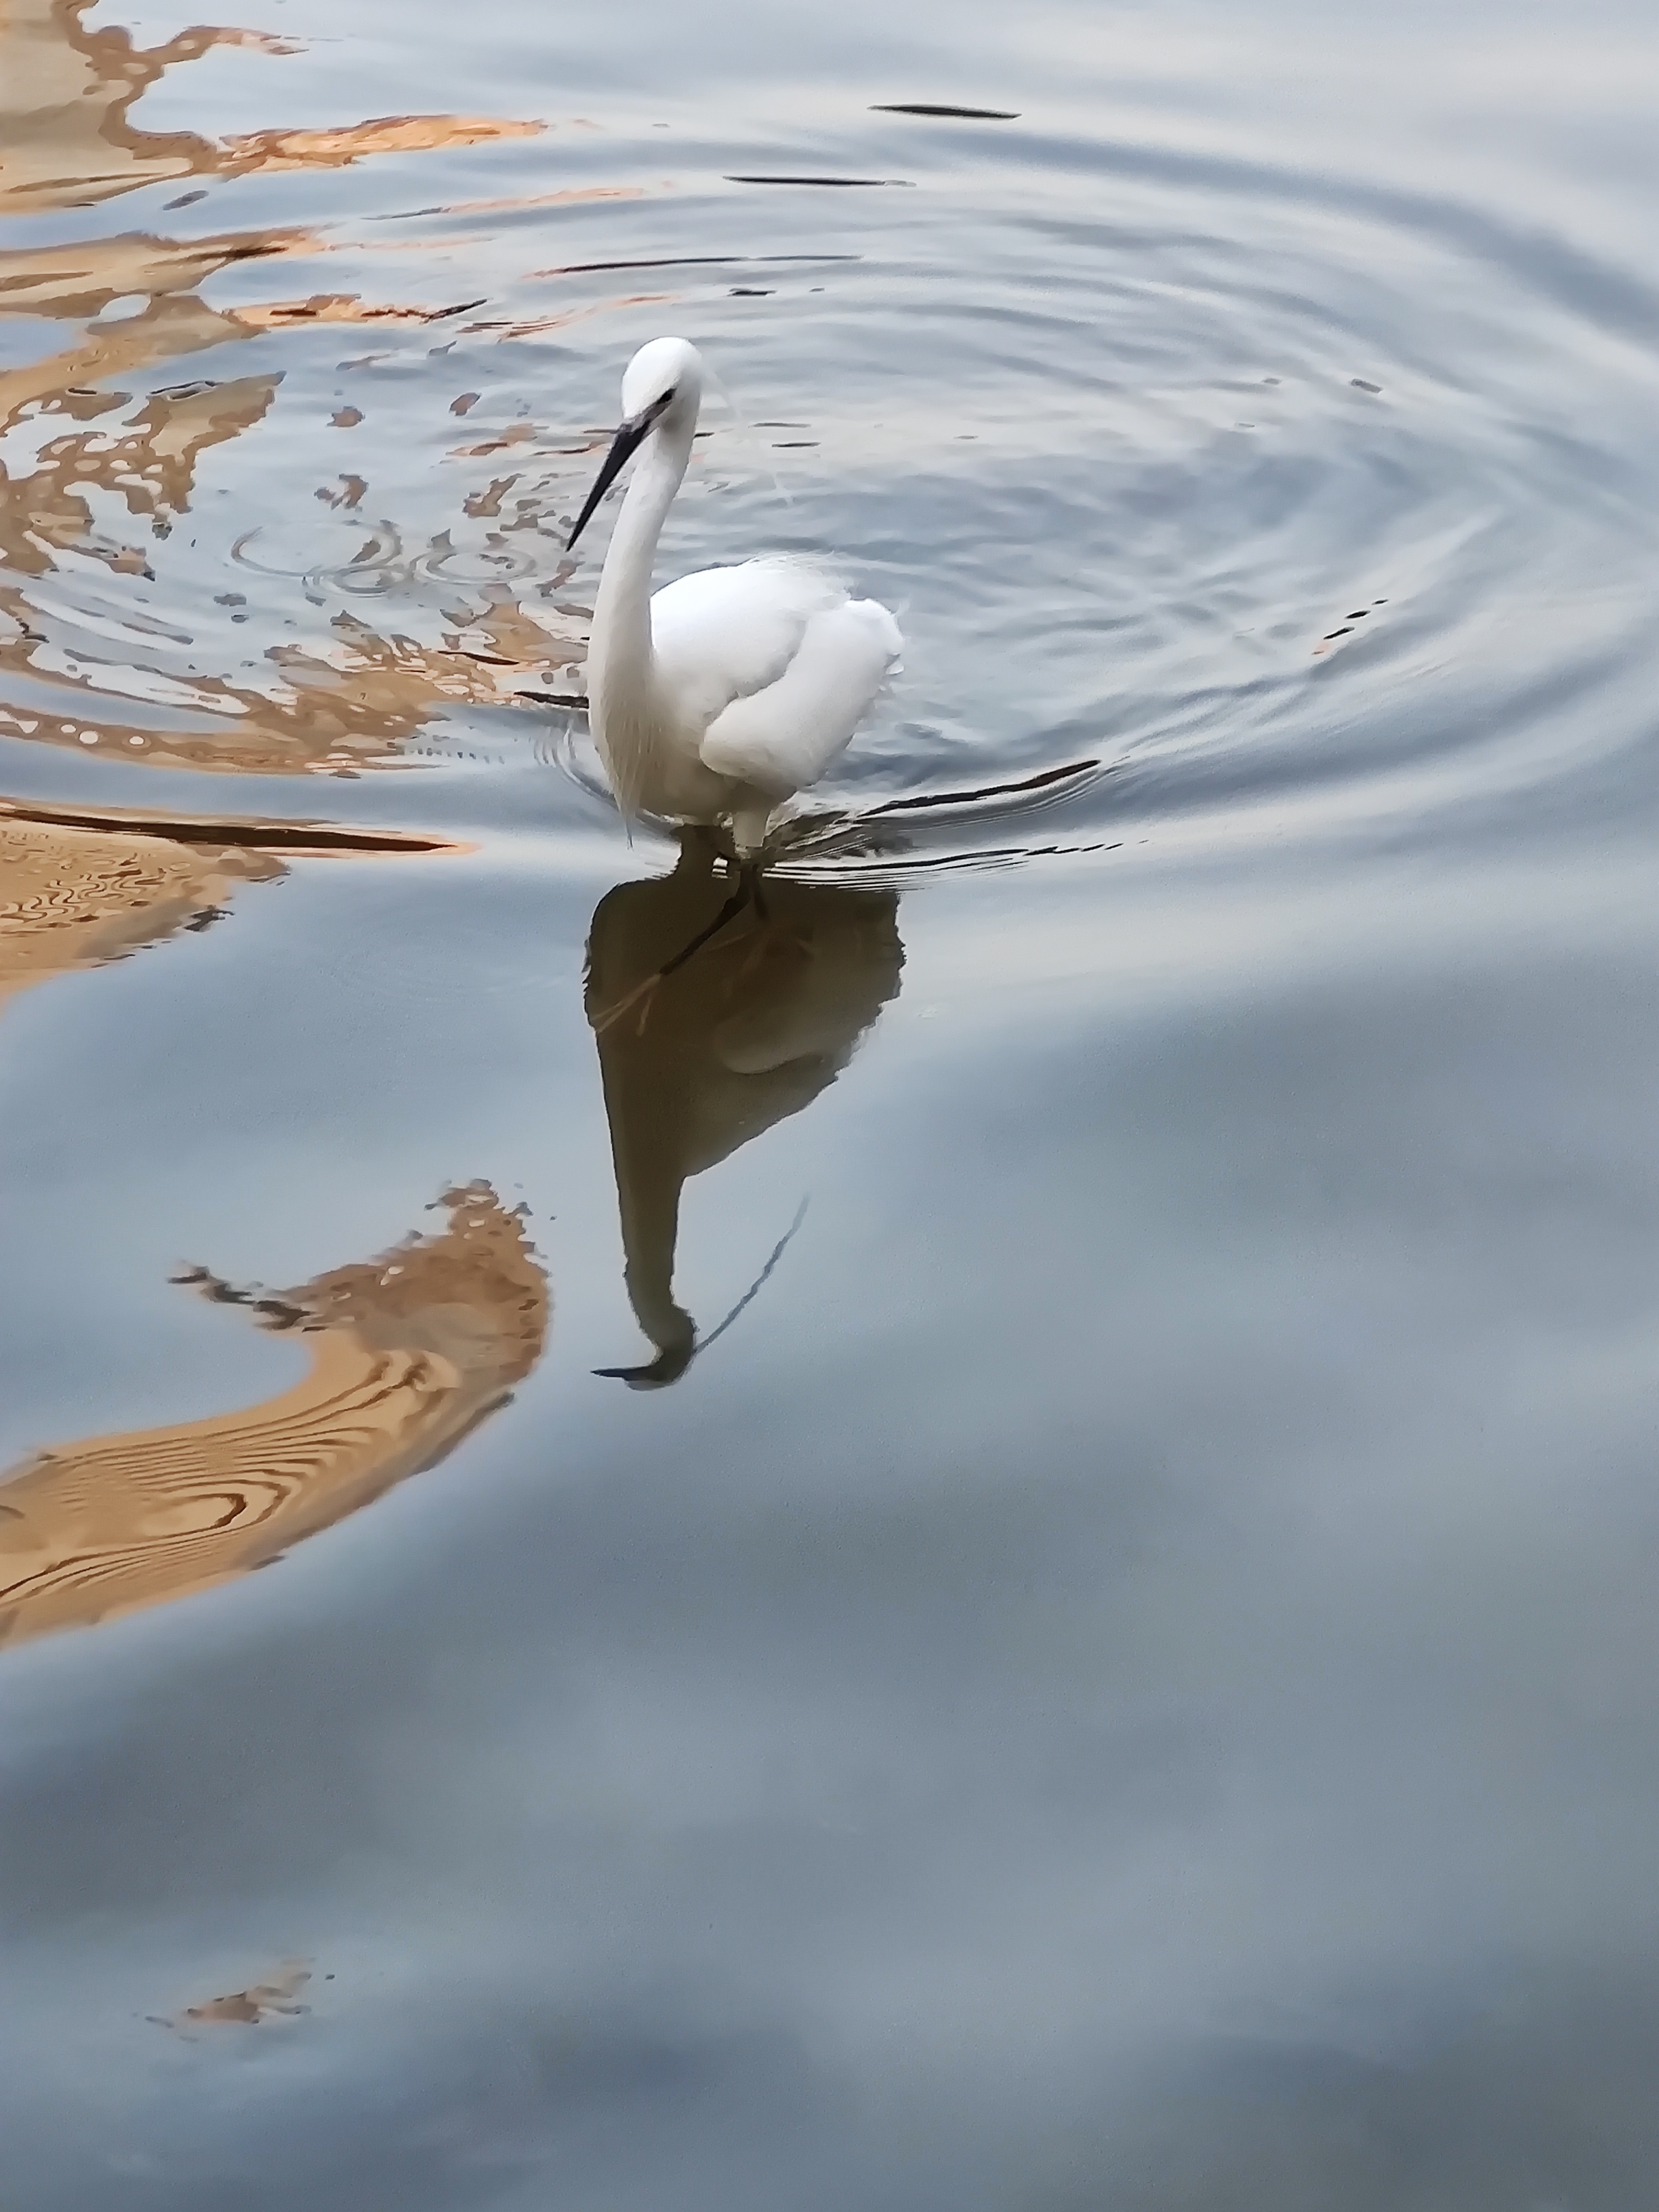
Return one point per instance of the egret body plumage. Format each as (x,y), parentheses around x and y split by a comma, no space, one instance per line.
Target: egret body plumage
(720,697)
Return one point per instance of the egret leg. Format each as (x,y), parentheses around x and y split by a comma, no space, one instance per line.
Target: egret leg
(747,892)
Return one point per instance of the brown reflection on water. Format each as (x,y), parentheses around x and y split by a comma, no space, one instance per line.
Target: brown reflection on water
(409,1352)
(76,893)
(279,1997)
(150,461)
(749,1031)
(65,90)
(354,701)
(83,673)
(67,139)
(347,704)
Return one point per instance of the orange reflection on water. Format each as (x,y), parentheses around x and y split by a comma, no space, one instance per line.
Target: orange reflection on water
(77,892)
(409,1352)
(67,139)
(357,701)
(353,702)
(81,450)
(386,134)
(147,461)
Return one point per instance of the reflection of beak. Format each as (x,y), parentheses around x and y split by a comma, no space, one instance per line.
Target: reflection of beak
(631,434)
(668,1366)
(674,1334)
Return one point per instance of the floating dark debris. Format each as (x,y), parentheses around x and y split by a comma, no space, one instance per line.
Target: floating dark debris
(1346,628)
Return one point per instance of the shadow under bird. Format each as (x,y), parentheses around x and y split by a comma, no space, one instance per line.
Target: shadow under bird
(718,698)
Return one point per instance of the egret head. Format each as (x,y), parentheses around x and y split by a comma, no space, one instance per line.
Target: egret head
(663,384)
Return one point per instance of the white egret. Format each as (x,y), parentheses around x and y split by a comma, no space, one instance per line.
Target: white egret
(720,697)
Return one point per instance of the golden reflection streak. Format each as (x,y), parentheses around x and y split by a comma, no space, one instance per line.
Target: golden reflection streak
(76,891)
(339,148)
(410,1352)
(247,2007)
(352,704)
(67,139)
(151,462)
(749,1031)
(361,697)
(359,700)
(65,90)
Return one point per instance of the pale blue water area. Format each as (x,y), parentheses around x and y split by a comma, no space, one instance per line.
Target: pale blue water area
(1126,1676)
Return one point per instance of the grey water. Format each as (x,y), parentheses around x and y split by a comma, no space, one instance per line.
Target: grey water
(1100,1650)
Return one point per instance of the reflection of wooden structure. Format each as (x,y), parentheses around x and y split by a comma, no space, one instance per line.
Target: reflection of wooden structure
(66,87)
(67,139)
(73,898)
(76,891)
(358,698)
(409,1352)
(748,1032)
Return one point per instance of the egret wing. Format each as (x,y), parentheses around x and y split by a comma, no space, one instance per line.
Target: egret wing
(720,634)
(782,739)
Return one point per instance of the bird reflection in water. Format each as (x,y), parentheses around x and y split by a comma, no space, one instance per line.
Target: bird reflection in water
(721,1047)
(409,1352)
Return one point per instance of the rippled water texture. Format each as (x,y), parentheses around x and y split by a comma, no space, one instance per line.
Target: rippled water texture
(998,1550)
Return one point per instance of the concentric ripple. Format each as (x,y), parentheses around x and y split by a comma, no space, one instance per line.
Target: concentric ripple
(1299,500)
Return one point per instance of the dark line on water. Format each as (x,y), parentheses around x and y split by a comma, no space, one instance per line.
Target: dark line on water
(935,108)
(697,261)
(264,836)
(1050,775)
(907,182)
(846,864)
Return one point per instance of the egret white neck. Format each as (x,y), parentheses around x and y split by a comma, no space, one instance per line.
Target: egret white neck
(621,612)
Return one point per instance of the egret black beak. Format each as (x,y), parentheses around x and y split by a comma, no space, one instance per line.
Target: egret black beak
(632,434)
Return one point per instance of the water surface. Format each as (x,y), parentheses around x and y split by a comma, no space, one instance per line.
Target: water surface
(1001,1552)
